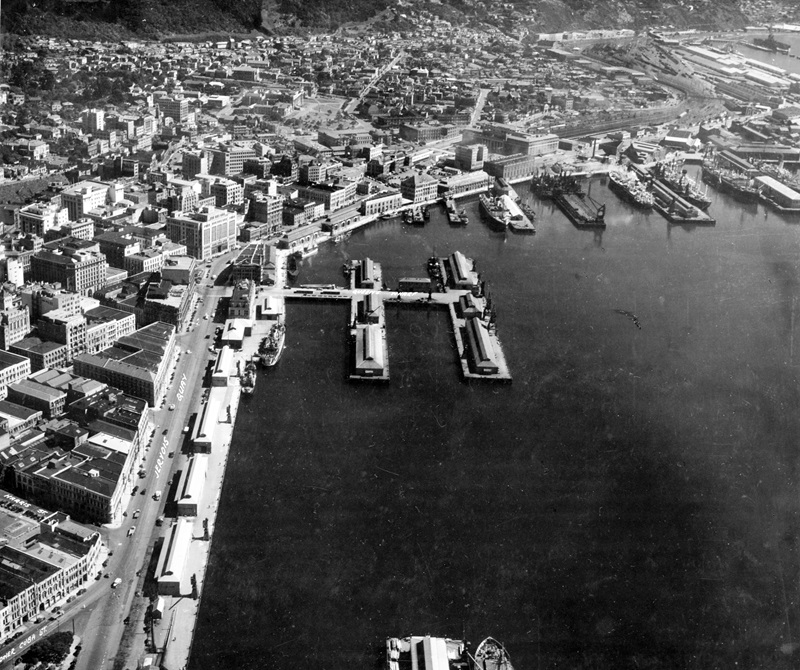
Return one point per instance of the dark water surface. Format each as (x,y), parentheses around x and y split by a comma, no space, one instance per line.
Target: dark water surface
(630,501)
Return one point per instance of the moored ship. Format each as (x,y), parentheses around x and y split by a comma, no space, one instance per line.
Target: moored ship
(272,346)
(426,651)
(491,655)
(455,216)
(674,177)
(495,212)
(727,181)
(628,187)
(581,210)
(771,44)
(546,184)
(249,378)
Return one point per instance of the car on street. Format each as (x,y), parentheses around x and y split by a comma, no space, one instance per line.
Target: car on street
(135,489)
(172,407)
(131,530)
(137,514)
(115,583)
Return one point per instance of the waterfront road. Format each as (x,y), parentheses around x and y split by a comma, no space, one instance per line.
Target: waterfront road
(98,616)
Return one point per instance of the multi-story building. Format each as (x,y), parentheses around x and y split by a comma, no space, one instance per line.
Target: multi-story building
(42,298)
(105,325)
(194,163)
(64,328)
(508,140)
(268,210)
(455,183)
(471,157)
(38,218)
(118,246)
(206,232)
(228,160)
(419,187)
(13,369)
(385,201)
(226,192)
(15,324)
(149,260)
(511,167)
(45,557)
(42,354)
(333,195)
(428,133)
(83,197)
(78,270)
(176,109)
(93,120)
(138,364)
(243,301)
(46,399)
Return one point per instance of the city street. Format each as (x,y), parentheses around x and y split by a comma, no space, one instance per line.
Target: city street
(98,615)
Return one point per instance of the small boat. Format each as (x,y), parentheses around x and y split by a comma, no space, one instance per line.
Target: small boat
(292,264)
(249,378)
(491,655)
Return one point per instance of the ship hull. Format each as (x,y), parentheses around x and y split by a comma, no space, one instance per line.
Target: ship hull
(270,358)
(718,181)
(493,215)
(491,655)
(625,193)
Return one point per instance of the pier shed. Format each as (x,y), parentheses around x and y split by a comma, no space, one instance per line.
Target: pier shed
(370,309)
(469,307)
(369,274)
(222,367)
(369,360)
(782,195)
(204,426)
(172,560)
(462,272)
(235,331)
(190,486)
(481,348)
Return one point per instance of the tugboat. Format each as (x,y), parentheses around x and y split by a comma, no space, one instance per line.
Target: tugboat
(272,346)
(491,655)
(249,378)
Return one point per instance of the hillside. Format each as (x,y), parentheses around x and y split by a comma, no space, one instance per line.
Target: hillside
(120,19)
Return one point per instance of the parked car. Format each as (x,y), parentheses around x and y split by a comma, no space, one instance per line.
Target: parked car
(137,513)
(131,530)
(172,407)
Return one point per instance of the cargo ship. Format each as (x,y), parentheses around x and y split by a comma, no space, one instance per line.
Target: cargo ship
(628,187)
(495,212)
(771,44)
(272,346)
(581,210)
(672,175)
(727,181)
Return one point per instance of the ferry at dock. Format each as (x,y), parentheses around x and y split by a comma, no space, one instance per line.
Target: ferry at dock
(495,212)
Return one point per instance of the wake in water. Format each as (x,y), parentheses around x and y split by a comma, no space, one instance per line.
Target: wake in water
(631,316)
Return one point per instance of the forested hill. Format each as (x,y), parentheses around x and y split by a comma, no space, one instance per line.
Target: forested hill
(119,19)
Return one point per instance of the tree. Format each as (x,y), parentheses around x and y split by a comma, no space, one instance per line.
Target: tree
(53,649)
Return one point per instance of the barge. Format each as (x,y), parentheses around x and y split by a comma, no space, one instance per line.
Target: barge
(581,210)
(455,216)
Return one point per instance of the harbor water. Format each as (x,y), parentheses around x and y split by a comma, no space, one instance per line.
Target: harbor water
(630,500)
